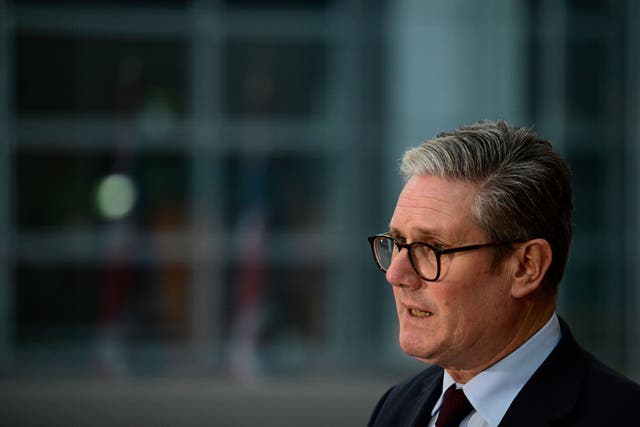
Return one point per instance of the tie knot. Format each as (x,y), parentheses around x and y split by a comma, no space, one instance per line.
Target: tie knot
(455,406)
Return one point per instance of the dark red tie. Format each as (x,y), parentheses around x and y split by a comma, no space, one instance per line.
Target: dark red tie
(455,407)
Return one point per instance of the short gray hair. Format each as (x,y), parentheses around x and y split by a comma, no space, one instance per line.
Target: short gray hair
(524,187)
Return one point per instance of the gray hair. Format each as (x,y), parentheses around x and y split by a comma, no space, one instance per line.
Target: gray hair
(524,187)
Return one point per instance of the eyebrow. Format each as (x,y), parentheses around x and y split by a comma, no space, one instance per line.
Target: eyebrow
(424,232)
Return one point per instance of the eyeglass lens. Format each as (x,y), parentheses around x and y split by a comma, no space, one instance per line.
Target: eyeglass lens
(423,258)
(385,251)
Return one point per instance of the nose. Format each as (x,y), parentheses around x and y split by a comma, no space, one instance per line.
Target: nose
(401,273)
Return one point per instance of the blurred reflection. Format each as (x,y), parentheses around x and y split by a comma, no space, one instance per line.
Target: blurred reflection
(118,283)
(251,230)
(116,196)
(135,307)
(248,314)
(274,79)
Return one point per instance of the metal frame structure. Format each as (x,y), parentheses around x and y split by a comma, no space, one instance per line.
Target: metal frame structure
(203,26)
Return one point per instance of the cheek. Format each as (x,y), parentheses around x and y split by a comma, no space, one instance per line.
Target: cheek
(465,310)
(456,314)
(478,309)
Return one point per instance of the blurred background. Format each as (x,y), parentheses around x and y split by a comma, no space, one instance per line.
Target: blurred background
(186,188)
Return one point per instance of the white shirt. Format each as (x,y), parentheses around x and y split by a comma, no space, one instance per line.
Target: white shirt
(492,390)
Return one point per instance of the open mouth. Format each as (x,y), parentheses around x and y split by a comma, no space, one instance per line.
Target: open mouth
(414,312)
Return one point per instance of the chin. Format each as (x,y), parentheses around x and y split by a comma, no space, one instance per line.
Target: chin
(416,347)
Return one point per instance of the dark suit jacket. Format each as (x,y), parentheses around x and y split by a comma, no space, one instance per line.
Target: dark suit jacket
(570,388)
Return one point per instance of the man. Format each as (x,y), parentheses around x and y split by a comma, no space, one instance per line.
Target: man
(475,251)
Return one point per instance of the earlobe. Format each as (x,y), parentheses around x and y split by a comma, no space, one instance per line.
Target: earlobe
(533,259)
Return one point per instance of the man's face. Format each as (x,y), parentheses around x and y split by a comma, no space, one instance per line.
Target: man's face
(464,317)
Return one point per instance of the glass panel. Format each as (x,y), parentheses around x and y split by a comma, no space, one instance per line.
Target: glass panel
(276,317)
(590,289)
(263,78)
(601,7)
(279,3)
(287,192)
(586,91)
(56,74)
(74,189)
(589,176)
(85,320)
(534,84)
(73,303)
(104,2)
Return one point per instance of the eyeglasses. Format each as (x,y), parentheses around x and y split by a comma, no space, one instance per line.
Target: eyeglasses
(425,258)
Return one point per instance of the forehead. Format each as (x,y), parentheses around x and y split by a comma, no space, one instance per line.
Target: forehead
(434,205)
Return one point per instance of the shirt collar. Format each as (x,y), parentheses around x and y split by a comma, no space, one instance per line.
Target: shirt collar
(492,390)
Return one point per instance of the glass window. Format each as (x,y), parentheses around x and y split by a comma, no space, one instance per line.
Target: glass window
(288,192)
(589,176)
(58,74)
(57,304)
(586,92)
(275,318)
(105,2)
(279,3)
(267,78)
(66,188)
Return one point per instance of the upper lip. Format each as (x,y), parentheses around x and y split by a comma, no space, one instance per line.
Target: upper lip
(415,307)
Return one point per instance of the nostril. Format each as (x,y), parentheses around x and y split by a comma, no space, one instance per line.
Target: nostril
(399,285)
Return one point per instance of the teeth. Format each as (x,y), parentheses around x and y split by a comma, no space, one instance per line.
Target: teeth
(419,313)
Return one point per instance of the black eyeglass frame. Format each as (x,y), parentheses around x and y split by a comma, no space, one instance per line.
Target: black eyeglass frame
(436,250)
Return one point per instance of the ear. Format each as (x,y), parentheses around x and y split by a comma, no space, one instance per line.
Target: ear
(532,260)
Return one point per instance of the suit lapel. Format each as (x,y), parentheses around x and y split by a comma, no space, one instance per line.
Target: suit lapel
(409,403)
(423,403)
(551,393)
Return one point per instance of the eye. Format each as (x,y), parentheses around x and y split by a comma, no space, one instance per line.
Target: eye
(439,246)
(397,237)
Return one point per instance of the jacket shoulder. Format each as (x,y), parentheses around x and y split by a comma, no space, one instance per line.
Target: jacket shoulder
(607,395)
(573,388)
